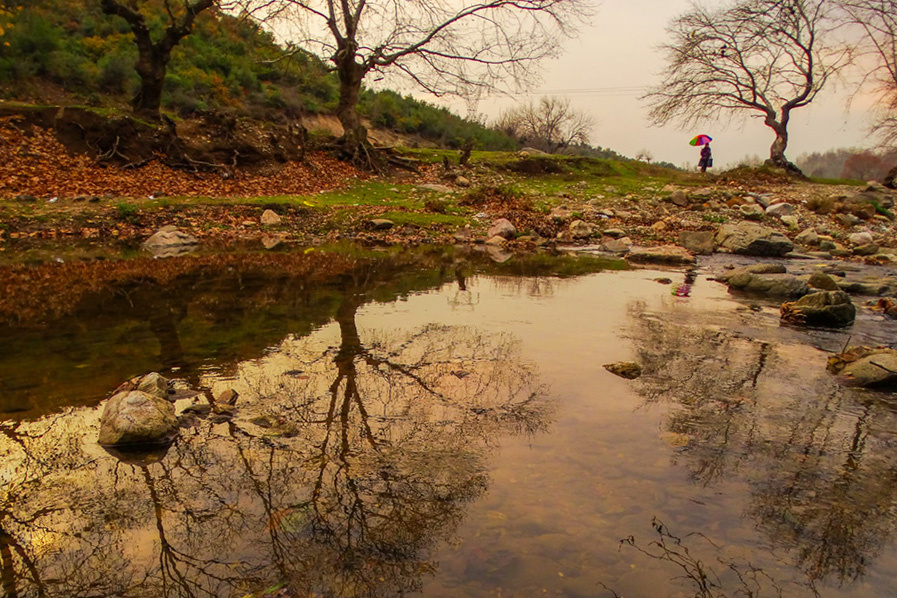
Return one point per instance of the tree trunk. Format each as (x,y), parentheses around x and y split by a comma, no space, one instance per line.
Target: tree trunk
(148,99)
(777,149)
(355,136)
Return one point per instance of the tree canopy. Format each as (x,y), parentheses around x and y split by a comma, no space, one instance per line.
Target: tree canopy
(760,57)
(444,47)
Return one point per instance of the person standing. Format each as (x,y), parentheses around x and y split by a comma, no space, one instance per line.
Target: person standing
(706,160)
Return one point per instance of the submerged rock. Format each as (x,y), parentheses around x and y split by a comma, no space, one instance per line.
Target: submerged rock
(136,418)
(826,308)
(667,254)
(625,369)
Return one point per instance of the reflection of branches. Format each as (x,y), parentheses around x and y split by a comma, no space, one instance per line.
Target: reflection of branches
(745,578)
(827,488)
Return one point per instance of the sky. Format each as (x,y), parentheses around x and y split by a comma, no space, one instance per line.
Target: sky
(610,64)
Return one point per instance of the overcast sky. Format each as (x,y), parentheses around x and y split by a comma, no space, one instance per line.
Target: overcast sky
(605,70)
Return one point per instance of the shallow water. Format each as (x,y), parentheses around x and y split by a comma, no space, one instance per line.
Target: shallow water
(443,426)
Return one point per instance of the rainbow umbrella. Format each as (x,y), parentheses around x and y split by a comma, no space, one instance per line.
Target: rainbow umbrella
(701,140)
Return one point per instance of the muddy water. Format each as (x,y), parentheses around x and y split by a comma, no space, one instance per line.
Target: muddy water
(446,429)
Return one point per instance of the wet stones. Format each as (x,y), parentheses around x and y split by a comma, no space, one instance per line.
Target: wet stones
(832,309)
(698,242)
(170,241)
(624,369)
(136,419)
(866,367)
(748,238)
(667,254)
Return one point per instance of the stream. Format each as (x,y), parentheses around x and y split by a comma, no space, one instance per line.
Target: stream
(431,422)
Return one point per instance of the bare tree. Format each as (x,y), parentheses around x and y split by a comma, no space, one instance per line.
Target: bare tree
(645,156)
(767,57)
(877,21)
(153,55)
(453,47)
(551,124)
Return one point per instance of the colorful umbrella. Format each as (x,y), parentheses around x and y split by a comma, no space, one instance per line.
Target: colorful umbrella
(701,140)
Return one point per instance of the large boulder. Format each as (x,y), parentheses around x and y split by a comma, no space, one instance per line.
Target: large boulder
(700,242)
(502,228)
(667,254)
(749,238)
(831,309)
(170,241)
(874,370)
(773,285)
(136,419)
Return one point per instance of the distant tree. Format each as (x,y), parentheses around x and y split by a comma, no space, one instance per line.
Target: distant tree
(645,156)
(864,166)
(550,124)
(153,55)
(442,47)
(767,57)
(877,20)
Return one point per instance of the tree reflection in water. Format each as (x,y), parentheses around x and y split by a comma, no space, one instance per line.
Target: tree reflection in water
(341,471)
(819,458)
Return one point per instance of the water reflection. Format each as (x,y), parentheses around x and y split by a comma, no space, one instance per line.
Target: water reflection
(342,468)
(819,459)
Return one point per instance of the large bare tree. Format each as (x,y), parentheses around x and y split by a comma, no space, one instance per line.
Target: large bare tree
(442,46)
(550,124)
(153,55)
(877,21)
(761,57)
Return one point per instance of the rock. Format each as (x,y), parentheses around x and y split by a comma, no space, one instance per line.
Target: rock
(808,237)
(380,224)
(847,220)
(618,246)
(866,249)
(271,241)
(136,418)
(502,228)
(679,198)
(791,222)
(831,309)
(865,288)
(153,384)
(876,370)
(698,242)
(560,215)
(667,254)
(498,254)
(822,281)
(752,239)
(270,218)
(823,205)
(580,229)
(462,181)
(660,226)
(228,397)
(531,151)
(774,285)
(780,209)
(616,233)
(765,268)
(437,188)
(169,241)
(752,211)
(861,238)
(496,240)
(625,369)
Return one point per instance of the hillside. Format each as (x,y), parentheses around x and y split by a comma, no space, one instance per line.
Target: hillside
(69,53)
